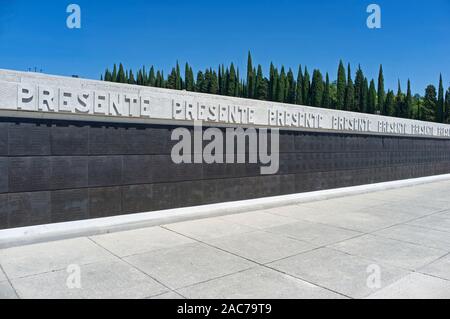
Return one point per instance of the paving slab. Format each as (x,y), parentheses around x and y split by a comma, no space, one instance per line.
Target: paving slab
(415,286)
(314,233)
(258,219)
(297,212)
(189,264)
(208,228)
(359,221)
(412,208)
(103,280)
(140,241)
(7,291)
(440,268)
(435,222)
(389,251)
(40,258)
(258,283)
(417,235)
(261,247)
(340,272)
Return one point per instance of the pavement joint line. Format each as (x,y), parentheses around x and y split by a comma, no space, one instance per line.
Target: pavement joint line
(132,266)
(51,232)
(259,264)
(8,280)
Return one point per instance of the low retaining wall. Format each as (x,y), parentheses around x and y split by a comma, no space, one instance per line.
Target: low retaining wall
(57,167)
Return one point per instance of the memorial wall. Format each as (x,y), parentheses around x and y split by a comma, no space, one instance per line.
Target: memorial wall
(74,149)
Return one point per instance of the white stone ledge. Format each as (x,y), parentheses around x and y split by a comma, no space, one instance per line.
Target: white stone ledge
(32,95)
(90,227)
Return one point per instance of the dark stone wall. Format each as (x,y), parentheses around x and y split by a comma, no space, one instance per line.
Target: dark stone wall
(56,171)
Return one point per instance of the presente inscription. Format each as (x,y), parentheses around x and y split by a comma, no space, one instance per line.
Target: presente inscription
(63,96)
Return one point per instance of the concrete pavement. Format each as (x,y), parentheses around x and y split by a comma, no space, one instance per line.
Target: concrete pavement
(386,244)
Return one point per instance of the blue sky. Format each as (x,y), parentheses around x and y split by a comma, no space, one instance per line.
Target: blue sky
(414,41)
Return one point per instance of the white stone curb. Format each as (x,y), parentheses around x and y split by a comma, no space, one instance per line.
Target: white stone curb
(51,232)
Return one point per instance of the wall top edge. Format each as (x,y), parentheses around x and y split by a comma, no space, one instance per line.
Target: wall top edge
(37,95)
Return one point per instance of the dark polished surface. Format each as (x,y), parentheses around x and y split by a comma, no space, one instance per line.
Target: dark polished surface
(55,171)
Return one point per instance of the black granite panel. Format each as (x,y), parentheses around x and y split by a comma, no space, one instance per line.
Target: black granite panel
(69,205)
(4,138)
(104,202)
(29,139)
(69,172)
(70,139)
(4,211)
(27,209)
(29,174)
(137,198)
(4,173)
(105,171)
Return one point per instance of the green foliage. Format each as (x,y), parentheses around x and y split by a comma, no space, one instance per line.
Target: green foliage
(440,106)
(349,101)
(428,110)
(282,86)
(389,103)
(317,89)
(299,88)
(341,87)
(447,106)
(306,88)
(326,99)
(381,93)
(372,98)
(261,85)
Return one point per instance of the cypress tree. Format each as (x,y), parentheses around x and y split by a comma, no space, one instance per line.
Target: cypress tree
(359,90)
(144,76)
(281,86)
(399,109)
(179,81)
(199,82)
(447,105)
(237,90)
(317,89)
(408,103)
(390,103)
(341,87)
(306,88)
(428,111)
(261,85)
(206,82)
(381,93)
(214,83)
(158,81)
(326,100)
(220,79)
(231,81)
(291,87)
(131,79)
(299,89)
(349,101)
(271,82)
(108,76)
(440,102)
(188,78)
(114,74)
(275,84)
(364,96)
(121,77)
(250,78)
(372,98)
(172,80)
(140,78)
(152,77)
